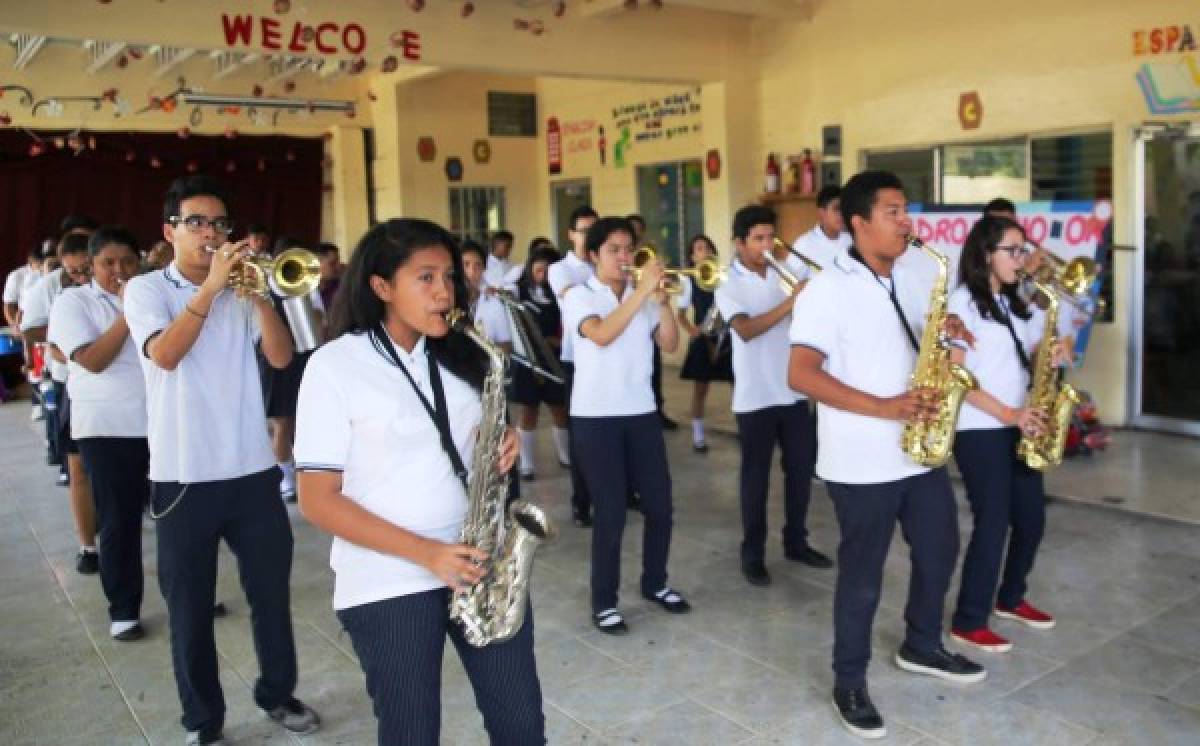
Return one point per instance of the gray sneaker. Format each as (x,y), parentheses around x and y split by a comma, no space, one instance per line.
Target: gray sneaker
(296,717)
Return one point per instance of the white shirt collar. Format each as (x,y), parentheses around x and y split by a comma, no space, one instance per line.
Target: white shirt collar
(176,277)
(597,285)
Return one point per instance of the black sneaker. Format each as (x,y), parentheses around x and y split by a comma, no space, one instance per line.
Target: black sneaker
(756,573)
(87,562)
(633,501)
(296,716)
(940,663)
(670,600)
(668,423)
(583,518)
(808,556)
(610,622)
(858,714)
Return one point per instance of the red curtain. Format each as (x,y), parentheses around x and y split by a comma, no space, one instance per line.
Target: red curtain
(275,181)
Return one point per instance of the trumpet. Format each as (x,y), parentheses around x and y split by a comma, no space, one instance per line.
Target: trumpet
(783,249)
(707,274)
(293,273)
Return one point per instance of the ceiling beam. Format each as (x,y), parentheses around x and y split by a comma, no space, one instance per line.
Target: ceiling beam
(168,58)
(28,45)
(102,52)
(230,62)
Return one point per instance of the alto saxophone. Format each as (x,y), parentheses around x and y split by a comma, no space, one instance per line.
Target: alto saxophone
(493,610)
(1057,400)
(929,442)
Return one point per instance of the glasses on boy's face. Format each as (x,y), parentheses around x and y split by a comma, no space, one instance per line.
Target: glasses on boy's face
(1016,251)
(197,224)
(77,272)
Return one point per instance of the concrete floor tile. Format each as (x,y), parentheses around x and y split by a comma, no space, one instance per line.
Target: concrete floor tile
(1128,663)
(1092,705)
(686,722)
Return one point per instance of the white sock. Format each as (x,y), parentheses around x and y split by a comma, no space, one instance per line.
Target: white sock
(117,628)
(288,482)
(527,438)
(560,444)
(697,431)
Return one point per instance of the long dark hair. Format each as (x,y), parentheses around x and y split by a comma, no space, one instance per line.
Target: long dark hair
(712,247)
(974,272)
(383,250)
(547,254)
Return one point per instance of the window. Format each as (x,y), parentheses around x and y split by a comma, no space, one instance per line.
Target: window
(915,168)
(975,173)
(512,114)
(1072,167)
(476,212)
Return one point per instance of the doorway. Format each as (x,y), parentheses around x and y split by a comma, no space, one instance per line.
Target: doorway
(671,201)
(1166,391)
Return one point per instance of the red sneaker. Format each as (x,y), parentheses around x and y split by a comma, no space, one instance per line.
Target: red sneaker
(982,638)
(1028,615)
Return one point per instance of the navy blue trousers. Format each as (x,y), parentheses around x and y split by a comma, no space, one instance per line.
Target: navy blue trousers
(794,428)
(867,514)
(117,468)
(247,513)
(1009,504)
(400,643)
(616,453)
(581,500)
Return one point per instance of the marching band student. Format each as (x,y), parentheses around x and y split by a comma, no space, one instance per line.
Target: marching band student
(17,281)
(108,417)
(638,223)
(617,432)
(37,306)
(574,270)
(828,237)
(1003,492)
(499,265)
(708,358)
(855,332)
(768,411)
(331,273)
(483,307)
(213,471)
(387,416)
(530,389)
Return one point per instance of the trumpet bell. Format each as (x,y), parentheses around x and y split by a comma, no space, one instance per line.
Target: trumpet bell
(295,272)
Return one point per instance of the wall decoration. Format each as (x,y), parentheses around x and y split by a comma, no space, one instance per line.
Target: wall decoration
(712,164)
(602,145)
(482,151)
(327,37)
(621,147)
(669,117)
(1171,86)
(583,136)
(1164,40)
(454,168)
(970,110)
(409,42)
(426,149)
(554,150)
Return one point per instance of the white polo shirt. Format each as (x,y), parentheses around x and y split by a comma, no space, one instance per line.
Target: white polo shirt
(612,381)
(821,248)
(760,366)
(207,420)
(35,312)
(18,280)
(846,314)
(563,275)
(490,314)
(496,271)
(111,403)
(994,359)
(358,415)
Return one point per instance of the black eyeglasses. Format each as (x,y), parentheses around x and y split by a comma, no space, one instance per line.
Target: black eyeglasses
(1016,251)
(197,223)
(83,271)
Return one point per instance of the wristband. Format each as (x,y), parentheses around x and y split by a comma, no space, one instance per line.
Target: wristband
(189,309)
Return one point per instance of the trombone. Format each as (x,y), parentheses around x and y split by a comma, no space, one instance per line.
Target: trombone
(787,278)
(1073,279)
(707,274)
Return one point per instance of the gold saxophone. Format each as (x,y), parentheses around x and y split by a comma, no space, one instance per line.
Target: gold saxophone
(1057,400)
(493,609)
(929,442)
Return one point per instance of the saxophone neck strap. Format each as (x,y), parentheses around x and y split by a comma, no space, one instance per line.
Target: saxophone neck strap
(437,411)
(891,291)
(1002,312)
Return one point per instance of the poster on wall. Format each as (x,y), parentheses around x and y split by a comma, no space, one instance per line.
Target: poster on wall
(654,119)
(553,146)
(1068,229)
(1170,78)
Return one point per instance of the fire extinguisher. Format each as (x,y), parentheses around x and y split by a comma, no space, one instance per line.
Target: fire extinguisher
(554,145)
(808,173)
(772,182)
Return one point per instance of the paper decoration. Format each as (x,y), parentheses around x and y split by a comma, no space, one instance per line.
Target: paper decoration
(454,168)
(482,151)
(712,164)
(970,110)
(426,149)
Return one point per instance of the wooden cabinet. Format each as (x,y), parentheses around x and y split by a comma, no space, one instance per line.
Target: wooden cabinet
(797,213)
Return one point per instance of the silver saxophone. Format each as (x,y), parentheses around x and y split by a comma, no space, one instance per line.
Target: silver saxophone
(493,610)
